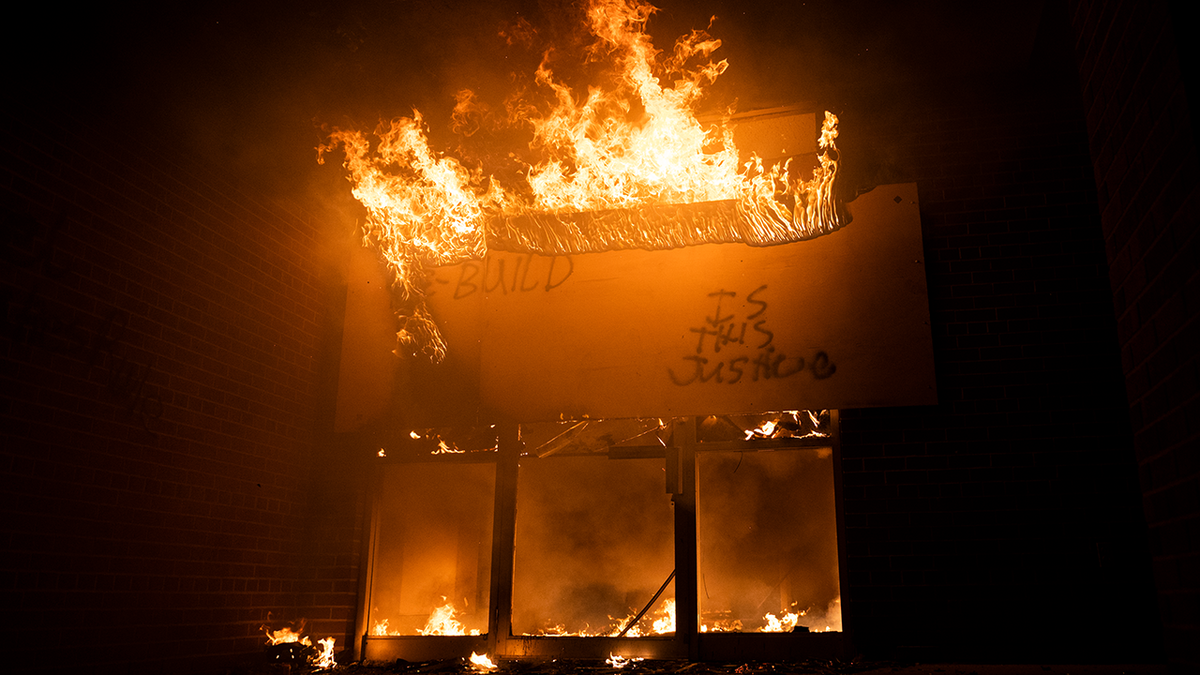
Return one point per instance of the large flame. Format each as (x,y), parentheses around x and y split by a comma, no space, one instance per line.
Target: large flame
(600,164)
(442,622)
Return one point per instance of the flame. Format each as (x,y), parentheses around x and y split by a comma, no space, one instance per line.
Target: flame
(666,623)
(324,658)
(619,662)
(481,663)
(784,624)
(765,430)
(631,143)
(811,618)
(442,622)
(286,634)
(444,449)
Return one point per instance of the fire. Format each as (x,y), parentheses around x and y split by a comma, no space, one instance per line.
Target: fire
(632,142)
(324,658)
(481,663)
(442,622)
(286,634)
(664,623)
(444,449)
(815,620)
(619,662)
(784,624)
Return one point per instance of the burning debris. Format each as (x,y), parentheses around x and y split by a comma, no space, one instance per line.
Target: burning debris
(290,646)
(628,165)
(442,622)
(441,441)
(620,662)
(480,663)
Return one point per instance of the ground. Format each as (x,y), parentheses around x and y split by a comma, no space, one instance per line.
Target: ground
(814,667)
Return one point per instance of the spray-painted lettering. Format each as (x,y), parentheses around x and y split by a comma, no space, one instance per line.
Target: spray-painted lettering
(749,355)
(504,274)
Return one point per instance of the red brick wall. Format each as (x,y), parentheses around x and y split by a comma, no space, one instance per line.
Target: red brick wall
(1141,131)
(160,394)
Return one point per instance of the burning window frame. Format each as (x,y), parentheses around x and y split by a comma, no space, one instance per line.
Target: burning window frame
(678,443)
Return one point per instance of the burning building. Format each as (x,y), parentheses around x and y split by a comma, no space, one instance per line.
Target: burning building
(647,291)
(192,437)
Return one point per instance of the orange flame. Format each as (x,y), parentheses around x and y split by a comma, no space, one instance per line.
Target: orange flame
(481,663)
(629,145)
(285,635)
(324,658)
(442,622)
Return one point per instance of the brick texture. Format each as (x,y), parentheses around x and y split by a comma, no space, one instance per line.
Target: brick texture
(1141,132)
(161,369)
(1002,524)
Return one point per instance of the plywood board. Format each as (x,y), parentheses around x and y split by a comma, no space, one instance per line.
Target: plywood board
(840,321)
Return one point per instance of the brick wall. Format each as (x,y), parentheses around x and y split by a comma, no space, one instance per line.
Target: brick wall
(1002,524)
(1141,131)
(161,364)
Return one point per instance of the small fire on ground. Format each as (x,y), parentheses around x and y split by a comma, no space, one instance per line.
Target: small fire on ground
(480,663)
(320,657)
(442,621)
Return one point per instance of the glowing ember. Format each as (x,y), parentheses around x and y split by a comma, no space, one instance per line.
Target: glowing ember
(765,430)
(619,662)
(481,663)
(599,176)
(444,449)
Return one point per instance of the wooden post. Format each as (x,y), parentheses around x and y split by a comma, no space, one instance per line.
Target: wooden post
(687,552)
(503,541)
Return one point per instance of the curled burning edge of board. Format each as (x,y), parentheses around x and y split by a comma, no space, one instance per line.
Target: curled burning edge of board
(770,209)
(665,226)
(651,227)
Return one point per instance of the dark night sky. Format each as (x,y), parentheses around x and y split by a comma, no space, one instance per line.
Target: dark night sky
(248,85)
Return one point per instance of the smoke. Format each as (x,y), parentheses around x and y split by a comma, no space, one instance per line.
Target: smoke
(594,541)
(768,537)
(434,546)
